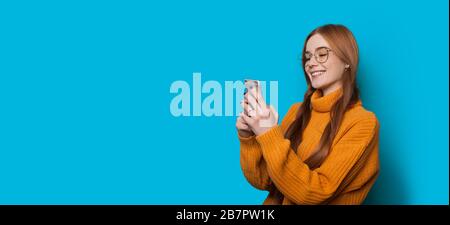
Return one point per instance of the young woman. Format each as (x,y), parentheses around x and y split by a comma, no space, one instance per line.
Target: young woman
(325,151)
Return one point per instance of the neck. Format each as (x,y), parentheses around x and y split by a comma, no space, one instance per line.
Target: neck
(331,88)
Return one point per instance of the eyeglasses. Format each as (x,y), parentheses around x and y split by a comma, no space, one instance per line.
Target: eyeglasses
(321,55)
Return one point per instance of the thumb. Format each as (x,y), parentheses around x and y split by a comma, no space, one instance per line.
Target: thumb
(274,111)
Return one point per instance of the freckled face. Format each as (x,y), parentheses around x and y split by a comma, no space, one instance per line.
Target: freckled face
(325,69)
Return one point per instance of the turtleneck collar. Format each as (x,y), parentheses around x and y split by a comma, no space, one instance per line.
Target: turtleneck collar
(321,103)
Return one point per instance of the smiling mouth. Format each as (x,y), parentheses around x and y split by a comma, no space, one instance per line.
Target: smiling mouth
(317,73)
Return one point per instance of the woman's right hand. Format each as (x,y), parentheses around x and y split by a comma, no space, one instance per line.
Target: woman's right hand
(243,129)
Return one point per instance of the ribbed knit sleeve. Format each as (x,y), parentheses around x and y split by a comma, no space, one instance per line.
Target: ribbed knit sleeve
(253,165)
(297,182)
(252,162)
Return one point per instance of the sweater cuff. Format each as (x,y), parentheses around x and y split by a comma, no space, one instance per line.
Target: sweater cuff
(246,139)
(271,138)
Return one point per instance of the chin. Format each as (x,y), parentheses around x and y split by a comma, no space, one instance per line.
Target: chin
(316,86)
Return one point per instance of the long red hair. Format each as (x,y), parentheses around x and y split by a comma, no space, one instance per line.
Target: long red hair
(344,46)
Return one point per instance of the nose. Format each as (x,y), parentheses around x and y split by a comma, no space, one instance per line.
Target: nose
(311,63)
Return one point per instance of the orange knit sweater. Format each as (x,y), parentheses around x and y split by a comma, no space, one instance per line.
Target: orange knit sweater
(346,175)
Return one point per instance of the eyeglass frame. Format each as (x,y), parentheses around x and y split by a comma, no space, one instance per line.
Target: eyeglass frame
(315,54)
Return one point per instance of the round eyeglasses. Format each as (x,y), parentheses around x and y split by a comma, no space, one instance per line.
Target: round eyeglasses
(321,55)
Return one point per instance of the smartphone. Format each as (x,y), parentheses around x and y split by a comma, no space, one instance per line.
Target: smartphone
(250,85)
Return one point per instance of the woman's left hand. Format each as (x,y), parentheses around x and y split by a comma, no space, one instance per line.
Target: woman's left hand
(262,117)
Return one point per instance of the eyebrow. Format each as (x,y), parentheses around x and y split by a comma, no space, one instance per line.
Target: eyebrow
(317,48)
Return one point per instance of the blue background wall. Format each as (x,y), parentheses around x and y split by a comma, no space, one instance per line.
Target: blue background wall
(84,95)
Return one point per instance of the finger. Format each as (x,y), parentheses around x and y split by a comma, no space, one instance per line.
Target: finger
(253,93)
(247,98)
(257,94)
(253,102)
(274,111)
(246,107)
(241,120)
(242,126)
(261,100)
(258,107)
(247,119)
